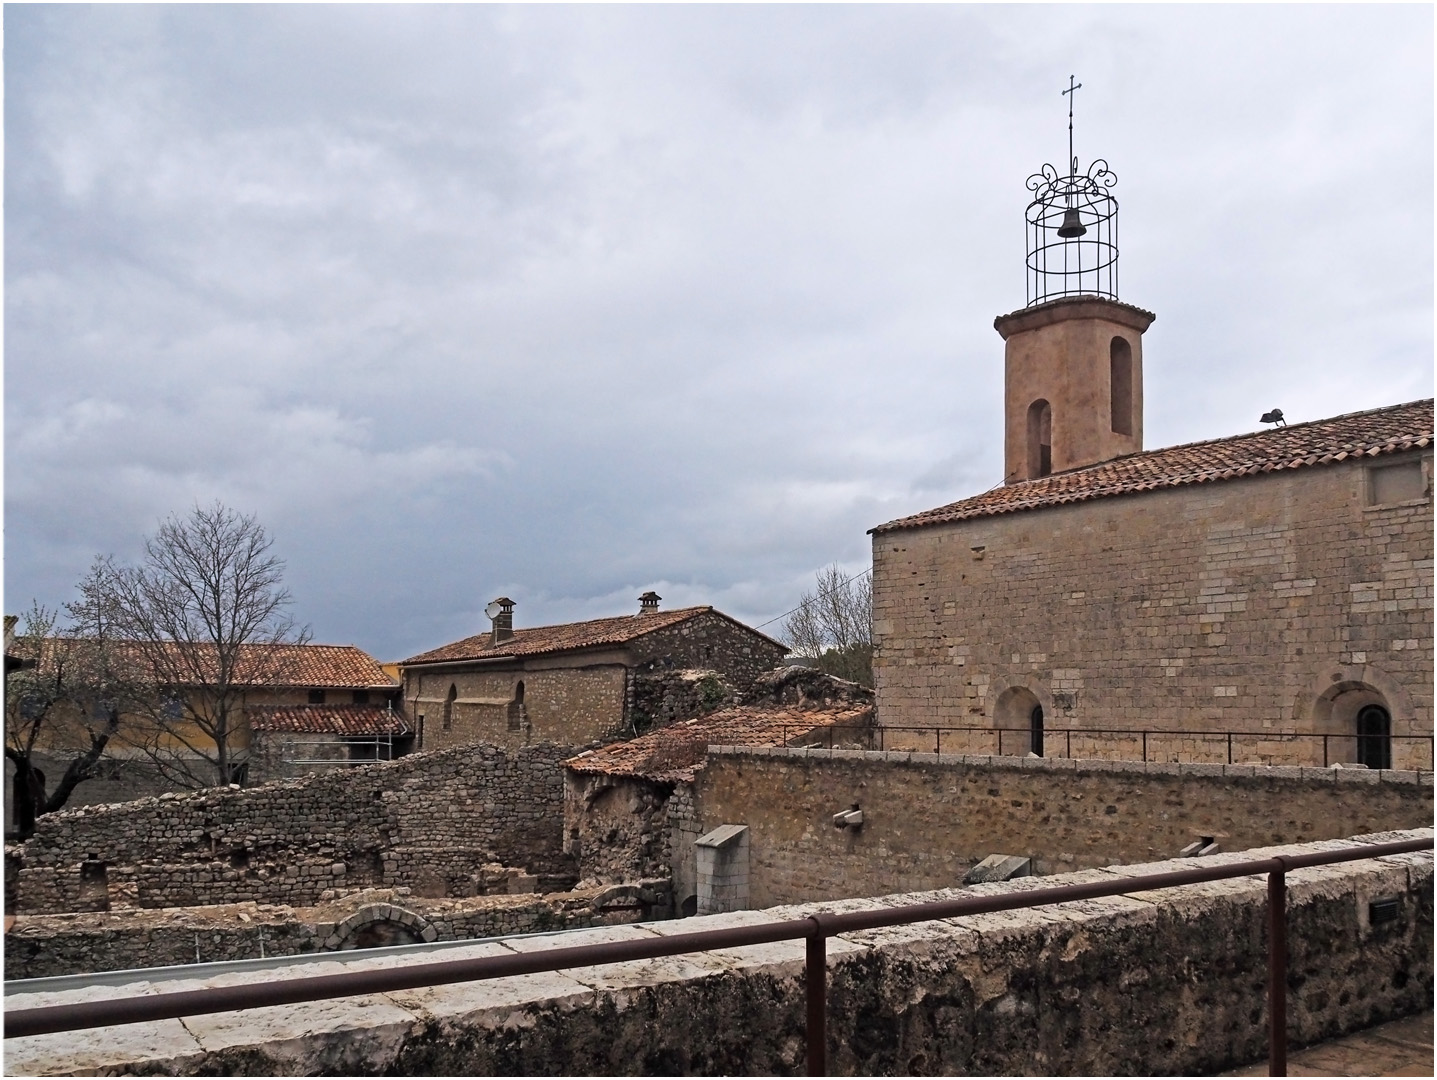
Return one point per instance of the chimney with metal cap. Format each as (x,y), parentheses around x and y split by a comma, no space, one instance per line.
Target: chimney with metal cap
(501,612)
(649,603)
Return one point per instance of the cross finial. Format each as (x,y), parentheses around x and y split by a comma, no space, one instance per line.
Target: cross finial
(1069,93)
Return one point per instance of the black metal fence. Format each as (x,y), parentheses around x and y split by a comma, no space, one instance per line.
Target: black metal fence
(814,930)
(1145,744)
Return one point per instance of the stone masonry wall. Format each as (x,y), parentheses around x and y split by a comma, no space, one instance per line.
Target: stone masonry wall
(928,819)
(569,705)
(1168,983)
(1275,604)
(447,823)
(713,641)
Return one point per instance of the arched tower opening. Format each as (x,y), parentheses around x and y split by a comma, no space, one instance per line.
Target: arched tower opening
(1075,346)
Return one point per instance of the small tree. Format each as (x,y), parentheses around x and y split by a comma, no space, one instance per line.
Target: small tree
(206,616)
(834,625)
(65,698)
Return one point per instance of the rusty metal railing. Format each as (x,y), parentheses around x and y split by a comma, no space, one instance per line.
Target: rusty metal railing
(814,930)
(1018,740)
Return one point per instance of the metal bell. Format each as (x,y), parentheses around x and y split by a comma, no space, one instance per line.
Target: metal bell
(1072,224)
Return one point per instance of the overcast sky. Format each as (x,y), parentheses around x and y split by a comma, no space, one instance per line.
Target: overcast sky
(570,303)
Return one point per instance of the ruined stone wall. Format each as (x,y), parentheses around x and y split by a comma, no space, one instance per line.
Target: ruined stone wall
(1168,983)
(667,696)
(569,705)
(927,819)
(713,641)
(43,946)
(447,823)
(618,826)
(1275,604)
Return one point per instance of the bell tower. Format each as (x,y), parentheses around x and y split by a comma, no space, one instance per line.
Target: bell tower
(1073,358)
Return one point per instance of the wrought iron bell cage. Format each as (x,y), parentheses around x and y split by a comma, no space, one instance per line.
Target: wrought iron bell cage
(1072,233)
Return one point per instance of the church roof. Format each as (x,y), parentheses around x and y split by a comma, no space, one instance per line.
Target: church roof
(327,719)
(1319,442)
(534,641)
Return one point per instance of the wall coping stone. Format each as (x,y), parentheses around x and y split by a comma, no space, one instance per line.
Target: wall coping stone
(1064,764)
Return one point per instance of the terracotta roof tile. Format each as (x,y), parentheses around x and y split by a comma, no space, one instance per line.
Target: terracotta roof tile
(343,666)
(320,666)
(565,636)
(673,752)
(1318,442)
(327,719)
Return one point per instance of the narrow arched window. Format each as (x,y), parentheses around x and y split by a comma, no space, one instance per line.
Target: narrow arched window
(1120,385)
(1035,730)
(516,708)
(1374,737)
(1040,439)
(449,706)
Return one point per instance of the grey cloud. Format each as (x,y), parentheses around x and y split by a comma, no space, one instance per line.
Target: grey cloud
(572,302)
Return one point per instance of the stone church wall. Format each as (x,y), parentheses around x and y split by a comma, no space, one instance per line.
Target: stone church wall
(928,819)
(1275,605)
(449,823)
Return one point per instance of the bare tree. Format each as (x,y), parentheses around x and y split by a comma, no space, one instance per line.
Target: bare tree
(834,625)
(64,698)
(206,616)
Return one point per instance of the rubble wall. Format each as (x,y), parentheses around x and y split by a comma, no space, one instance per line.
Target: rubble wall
(43,946)
(458,822)
(1168,983)
(928,818)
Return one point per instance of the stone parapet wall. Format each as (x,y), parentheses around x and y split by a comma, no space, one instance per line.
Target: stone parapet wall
(442,823)
(44,946)
(1143,983)
(928,818)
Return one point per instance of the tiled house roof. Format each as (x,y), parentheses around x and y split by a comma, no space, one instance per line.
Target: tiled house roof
(341,666)
(1319,442)
(564,637)
(320,666)
(671,753)
(327,719)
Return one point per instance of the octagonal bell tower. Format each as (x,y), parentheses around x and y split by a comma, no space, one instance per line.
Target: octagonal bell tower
(1073,358)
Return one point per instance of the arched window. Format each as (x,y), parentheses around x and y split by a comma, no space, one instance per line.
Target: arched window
(1040,439)
(449,706)
(1035,731)
(516,708)
(1374,737)
(1120,385)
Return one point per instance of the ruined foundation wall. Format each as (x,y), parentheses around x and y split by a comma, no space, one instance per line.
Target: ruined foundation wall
(449,823)
(44,946)
(927,818)
(1170,983)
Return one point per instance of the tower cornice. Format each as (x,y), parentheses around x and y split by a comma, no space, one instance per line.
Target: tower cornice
(1073,307)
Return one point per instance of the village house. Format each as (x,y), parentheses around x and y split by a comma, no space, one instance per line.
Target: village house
(574,682)
(1260,598)
(299,708)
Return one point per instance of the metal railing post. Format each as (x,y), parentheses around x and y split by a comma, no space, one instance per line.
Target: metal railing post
(1277,971)
(1229,747)
(1145,746)
(1324,751)
(815,977)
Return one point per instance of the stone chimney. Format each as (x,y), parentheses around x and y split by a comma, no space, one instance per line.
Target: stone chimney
(501,611)
(649,603)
